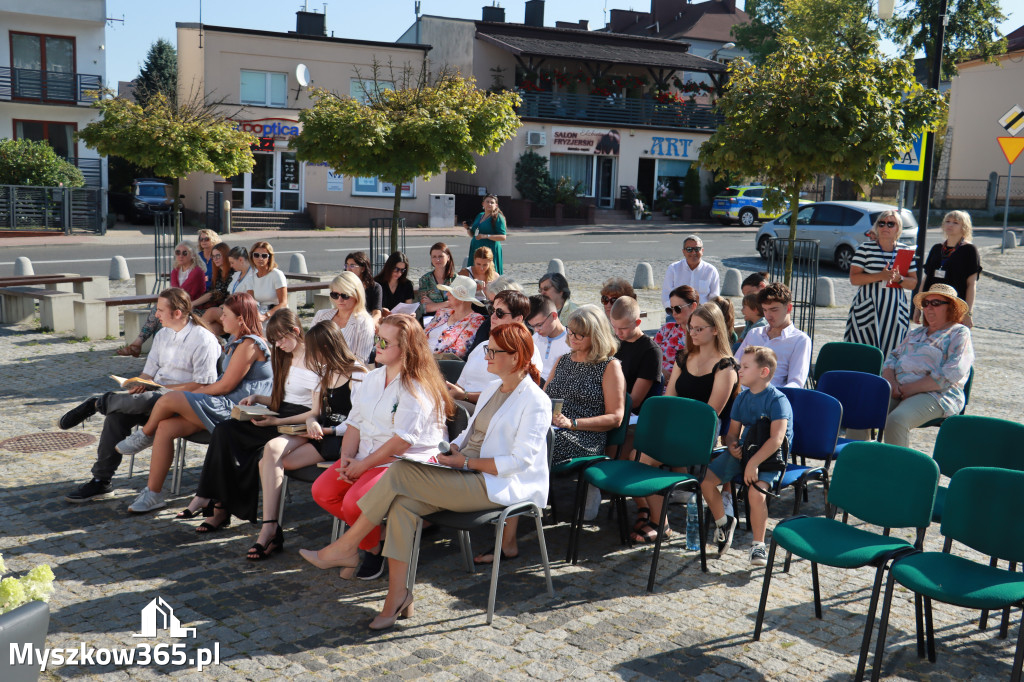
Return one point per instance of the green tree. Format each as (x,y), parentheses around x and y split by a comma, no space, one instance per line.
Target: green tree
(823,23)
(759,37)
(411,125)
(30,162)
(806,112)
(159,74)
(533,179)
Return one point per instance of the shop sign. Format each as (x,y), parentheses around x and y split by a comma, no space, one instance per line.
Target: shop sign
(279,128)
(335,181)
(672,146)
(585,141)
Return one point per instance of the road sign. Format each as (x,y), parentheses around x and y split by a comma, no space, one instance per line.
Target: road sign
(908,164)
(1013,121)
(1012,147)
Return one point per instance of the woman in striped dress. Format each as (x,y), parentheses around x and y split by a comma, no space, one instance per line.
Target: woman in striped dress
(880,314)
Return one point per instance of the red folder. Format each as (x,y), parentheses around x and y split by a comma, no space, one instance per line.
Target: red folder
(902,261)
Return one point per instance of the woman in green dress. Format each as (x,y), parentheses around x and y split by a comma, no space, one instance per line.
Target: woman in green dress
(488,230)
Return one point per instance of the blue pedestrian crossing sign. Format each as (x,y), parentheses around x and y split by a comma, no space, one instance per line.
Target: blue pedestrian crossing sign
(908,164)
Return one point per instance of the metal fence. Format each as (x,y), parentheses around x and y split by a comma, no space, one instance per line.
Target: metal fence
(56,209)
(619,111)
(804,283)
(166,234)
(380,240)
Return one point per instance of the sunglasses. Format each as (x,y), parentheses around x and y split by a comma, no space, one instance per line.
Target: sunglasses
(609,300)
(693,249)
(336,295)
(401,271)
(499,313)
(489,353)
(932,303)
(886,223)
(676,309)
(181,253)
(204,239)
(380,342)
(261,255)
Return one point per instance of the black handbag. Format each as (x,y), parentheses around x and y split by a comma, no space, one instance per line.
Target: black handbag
(757,435)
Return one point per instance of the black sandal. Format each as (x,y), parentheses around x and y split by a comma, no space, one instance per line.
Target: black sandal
(187,513)
(643,517)
(207,527)
(260,552)
(647,538)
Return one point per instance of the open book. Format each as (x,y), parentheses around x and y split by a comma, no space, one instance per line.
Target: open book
(292,429)
(244,413)
(135,381)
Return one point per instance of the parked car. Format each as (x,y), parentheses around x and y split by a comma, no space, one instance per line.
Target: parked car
(150,197)
(839,226)
(743,205)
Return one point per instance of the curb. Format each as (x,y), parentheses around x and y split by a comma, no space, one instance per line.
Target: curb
(999,277)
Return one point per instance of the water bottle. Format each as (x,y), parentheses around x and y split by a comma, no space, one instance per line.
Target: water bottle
(693,524)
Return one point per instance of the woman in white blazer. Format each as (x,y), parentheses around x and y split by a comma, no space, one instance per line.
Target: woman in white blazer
(500,459)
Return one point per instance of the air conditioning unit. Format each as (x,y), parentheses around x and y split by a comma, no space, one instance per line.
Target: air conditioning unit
(536,138)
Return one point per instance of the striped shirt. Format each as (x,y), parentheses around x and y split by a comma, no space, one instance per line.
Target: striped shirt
(183,357)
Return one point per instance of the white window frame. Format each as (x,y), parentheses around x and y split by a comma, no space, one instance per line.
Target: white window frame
(357,88)
(267,92)
(381,189)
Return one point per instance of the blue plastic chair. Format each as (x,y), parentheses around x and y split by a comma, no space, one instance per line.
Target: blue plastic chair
(817,418)
(865,401)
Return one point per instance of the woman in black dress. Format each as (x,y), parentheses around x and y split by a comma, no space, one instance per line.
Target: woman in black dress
(955,262)
(359,265)
(394,282)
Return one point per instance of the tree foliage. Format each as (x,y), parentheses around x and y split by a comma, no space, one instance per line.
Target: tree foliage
(823,23)
(806,111)
(408,126)
(159,74)
(31,162)
(533,179)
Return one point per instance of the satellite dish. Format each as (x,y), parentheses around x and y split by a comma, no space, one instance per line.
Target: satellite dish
(302,75)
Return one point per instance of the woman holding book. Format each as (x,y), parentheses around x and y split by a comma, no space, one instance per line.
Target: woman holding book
(229,483)
(394,282)
(880,313)
(500,459)
(244,370)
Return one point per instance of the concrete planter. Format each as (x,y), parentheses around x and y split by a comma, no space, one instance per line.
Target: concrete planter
(26,624)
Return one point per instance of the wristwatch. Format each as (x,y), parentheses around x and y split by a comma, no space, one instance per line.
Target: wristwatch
(574,425)
(465,463)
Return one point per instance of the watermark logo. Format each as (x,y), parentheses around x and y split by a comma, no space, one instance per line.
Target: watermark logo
(158,611)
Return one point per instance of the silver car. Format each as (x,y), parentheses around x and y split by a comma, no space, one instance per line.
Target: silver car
(839,226)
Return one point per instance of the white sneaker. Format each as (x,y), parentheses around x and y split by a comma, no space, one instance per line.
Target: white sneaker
(758,555)
(134,444)
(147,501)
(593,505)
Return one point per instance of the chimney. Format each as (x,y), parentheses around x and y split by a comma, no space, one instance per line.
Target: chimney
(310,23)
(494,13)
(730,6)
(534,13)
(581,25)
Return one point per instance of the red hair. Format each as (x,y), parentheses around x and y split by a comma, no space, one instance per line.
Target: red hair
(516,338)
(244,306)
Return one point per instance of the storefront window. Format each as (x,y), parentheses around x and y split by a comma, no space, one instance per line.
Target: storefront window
(375,187)
(671,177)
(264,89)
(577,167)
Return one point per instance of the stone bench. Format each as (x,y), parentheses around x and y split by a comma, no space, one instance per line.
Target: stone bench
(55,307)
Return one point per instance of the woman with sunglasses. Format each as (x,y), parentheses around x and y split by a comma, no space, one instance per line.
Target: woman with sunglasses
(358,263)
(394,282)
(221,278)
(880,313)
(399,410)
(671,338)
(612,290)
(431,298)
(452,330)
(207,240)
(349,313)
(269,286)
(186,275)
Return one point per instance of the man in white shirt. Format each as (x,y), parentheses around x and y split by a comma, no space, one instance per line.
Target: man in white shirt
(550,336)
(184,357)
(792,347)
(702,276)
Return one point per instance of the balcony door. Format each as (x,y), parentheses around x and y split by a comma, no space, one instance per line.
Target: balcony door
(44,67)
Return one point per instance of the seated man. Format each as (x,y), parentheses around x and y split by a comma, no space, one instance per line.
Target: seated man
(549,334)
(791,346)
(639,354)
(184,357)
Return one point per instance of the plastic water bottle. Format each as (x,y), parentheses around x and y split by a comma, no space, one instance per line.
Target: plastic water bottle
(692,524)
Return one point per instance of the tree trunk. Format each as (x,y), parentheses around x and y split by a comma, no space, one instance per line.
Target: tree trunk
(794,207)
(396,216)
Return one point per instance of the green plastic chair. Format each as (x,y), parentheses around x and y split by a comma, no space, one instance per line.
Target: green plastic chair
(855,357)
(976,496)
(902,498)
(656,435)
(967,398)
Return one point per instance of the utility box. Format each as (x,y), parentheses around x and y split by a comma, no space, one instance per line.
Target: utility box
(442,210)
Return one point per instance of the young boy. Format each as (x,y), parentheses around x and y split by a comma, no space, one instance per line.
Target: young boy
(756,369)
(751,311)
(639,354)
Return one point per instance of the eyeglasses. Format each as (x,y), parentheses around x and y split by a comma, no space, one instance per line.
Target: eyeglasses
(932,302)
(204,239)
(577,335)
(499,313)
(489,353)
(696,330)
(609,300)
(401,271)
(180,253)
(381,343)
(886,223)
(693,249)
(261,255)
(336,295)
(676,309)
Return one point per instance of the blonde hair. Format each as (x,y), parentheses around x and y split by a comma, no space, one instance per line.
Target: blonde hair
(490,274)
(626,308)
(895,214)
(589,320)
(350,284)
(964,218)
(712,314)
(418,365)
(214,237)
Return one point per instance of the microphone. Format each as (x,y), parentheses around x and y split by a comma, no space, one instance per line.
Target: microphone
(444,447)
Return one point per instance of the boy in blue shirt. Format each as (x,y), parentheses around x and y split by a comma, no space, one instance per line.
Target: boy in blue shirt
(757,366)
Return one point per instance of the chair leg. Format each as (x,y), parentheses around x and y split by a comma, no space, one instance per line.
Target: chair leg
(786,564)
(764,591)
(701,530)
(576,528)
(919,624)
(619,503)
(797,496)
(280,502)
(657,542)
(467,551)
(883,627)
(865,646)
(929,629)
(983,621)
(817,590)
(499,528)
(131,466)
(337,529)
(1018,657)
(544,554)
(414,560)
(179,465)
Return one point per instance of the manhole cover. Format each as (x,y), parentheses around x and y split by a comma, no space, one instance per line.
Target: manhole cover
(47,442)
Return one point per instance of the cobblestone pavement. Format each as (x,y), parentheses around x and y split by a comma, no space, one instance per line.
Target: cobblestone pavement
(283,619)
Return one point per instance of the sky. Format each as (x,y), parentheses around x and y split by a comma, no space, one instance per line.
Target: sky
(384,20)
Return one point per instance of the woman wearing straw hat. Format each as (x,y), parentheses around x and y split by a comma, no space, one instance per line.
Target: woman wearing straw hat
(927,372)
(452,329)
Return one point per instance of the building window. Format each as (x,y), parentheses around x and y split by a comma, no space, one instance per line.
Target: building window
(577,167)
(60,136)
(377,188)
(44,67)
(357,88)
(264,89)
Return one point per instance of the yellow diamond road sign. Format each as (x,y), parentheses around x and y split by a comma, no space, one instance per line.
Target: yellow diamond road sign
(1013,120)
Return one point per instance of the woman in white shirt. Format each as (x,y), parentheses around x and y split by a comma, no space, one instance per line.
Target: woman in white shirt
(349,313)
(400,410)
(268,285)
(500,459)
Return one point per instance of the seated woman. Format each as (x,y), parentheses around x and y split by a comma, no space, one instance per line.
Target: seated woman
(244,370)
(671,338)
(503,449)
(590,383)
(207,239)
(238,259)
(706,371)
(358,264)
(452,329)
(349,313)
(220,278)
(431,298)
(928,370)
(612,290)
(394,282)
(482,271)
(267,284)
(230,476)
(400,410)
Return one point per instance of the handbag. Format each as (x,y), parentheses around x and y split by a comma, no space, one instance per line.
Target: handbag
(757,435)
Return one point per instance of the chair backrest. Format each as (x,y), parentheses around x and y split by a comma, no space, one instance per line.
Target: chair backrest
(969,441)
(967,389)
(979,501)
(458,423)
(864,397)
(844,355)
(886,485)
(817,418)
(451,369)
(617,436)
(658,431)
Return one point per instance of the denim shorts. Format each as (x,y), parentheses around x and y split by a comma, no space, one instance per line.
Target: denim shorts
(727,467)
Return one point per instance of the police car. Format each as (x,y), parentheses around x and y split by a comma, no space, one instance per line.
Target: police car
(741,204)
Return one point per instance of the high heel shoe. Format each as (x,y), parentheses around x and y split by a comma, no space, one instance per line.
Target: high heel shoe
(186,513)
(260,552)
(404,611)
(348,569)
(207,527)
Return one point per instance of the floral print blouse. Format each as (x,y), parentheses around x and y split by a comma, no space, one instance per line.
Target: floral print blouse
(452,338)
(670,338)
(946,356)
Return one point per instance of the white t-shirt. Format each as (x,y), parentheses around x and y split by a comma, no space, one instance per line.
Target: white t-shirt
(241,283)
(475,376)
(299,386)
(551,350)
(264,289)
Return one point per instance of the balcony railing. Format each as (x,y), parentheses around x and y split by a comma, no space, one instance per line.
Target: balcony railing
(619,111)
(33,85)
